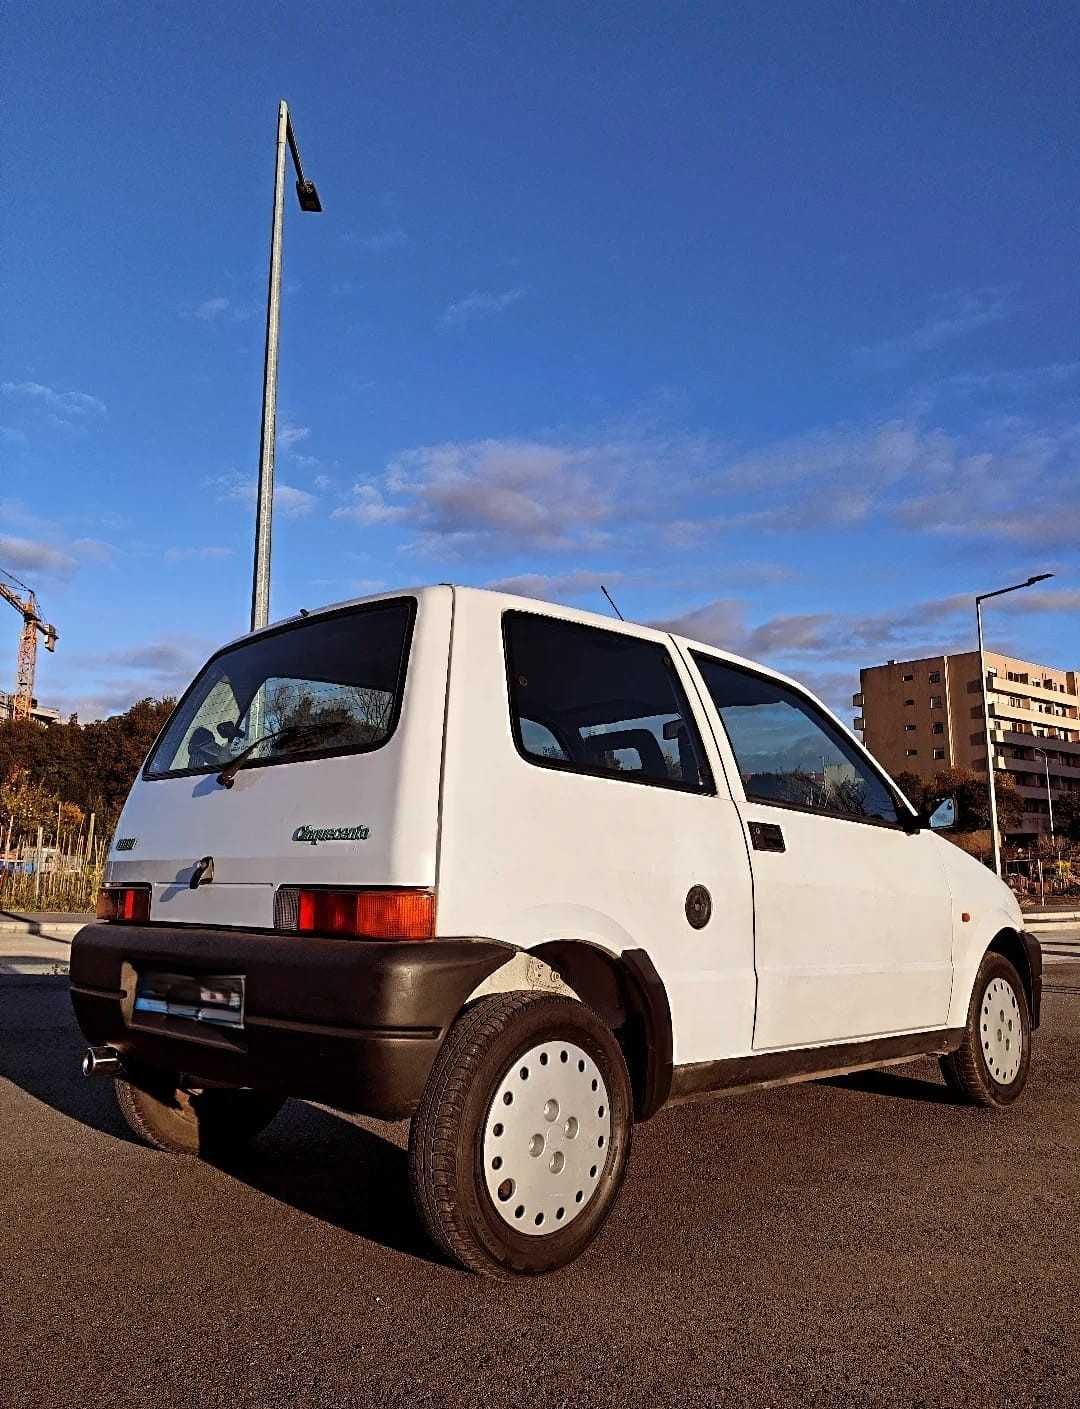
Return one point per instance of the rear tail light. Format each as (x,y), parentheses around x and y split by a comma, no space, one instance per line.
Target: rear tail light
(125,904)
(367,914)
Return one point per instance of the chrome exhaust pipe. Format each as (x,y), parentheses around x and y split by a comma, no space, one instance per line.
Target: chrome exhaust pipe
(101,1061)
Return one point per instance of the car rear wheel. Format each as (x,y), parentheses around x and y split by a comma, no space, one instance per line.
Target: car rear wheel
(520,1142)
(990,1068)
(214,1121)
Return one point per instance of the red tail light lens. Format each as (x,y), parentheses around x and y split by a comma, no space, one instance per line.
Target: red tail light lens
(368,914)
(124,904)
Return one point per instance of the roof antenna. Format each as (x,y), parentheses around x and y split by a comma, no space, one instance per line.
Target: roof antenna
(614,608)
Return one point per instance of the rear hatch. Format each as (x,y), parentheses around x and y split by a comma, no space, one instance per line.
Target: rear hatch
(308,754)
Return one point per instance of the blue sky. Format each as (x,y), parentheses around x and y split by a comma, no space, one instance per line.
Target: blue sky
(764,315)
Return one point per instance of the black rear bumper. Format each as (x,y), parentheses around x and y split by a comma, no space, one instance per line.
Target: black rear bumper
(355,1023)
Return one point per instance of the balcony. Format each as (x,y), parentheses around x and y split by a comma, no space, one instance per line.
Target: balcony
(857,700)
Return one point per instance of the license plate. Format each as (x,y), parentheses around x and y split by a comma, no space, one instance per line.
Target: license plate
(202,998)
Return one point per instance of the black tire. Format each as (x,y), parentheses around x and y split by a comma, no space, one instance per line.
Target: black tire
(446,1143)
(212,1123)
(972,1071)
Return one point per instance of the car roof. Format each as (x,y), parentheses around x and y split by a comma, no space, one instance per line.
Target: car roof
(510,601)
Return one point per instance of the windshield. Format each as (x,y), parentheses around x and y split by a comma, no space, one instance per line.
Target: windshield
(326,686)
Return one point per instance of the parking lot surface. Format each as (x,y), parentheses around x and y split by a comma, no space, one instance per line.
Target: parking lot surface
(862,1241)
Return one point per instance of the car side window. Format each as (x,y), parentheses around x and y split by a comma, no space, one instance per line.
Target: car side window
(600,702)
(788,752)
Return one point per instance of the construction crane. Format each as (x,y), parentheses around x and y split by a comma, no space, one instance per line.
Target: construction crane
(32,624)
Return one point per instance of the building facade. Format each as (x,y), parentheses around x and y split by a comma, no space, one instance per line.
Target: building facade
(41,713)
(920,716)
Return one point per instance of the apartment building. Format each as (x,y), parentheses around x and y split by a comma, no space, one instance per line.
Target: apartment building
(920,716)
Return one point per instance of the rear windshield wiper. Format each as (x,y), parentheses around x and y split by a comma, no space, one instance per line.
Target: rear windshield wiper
(290,731)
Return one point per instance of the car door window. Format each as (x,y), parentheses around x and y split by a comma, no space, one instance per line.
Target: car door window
(788,752)
(600,702)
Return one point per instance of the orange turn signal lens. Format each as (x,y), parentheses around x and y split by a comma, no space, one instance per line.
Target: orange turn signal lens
(124,904)
(367,914)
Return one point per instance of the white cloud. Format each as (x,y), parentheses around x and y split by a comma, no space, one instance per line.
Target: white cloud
(479,305)
(94,550)
(921,628)
(290,435)
(213,308)
(69,406)
(559,586)
(111,681)
(31,556)
(490,493)
(294,503)
(956,315)
(382,241)
(368,506)
(207,553)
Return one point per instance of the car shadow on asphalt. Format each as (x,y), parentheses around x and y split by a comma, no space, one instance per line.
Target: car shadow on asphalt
(50,1068)
(893,1085)
(325,1165)
(310,1158)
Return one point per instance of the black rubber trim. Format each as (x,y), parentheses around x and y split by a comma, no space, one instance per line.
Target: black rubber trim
(807,1063)
(355,1023)
(627,992)
(1033,953)
(652,1009)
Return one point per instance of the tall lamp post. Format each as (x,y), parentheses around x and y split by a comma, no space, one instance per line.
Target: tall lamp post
(264,510)
(995,833)
(1049,798)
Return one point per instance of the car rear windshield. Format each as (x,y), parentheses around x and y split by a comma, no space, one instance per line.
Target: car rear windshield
(330,685)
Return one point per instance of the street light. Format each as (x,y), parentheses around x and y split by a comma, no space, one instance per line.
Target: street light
(264,508)
(1049,798)
(995,834)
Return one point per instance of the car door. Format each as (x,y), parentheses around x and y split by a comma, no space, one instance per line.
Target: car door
(852,920)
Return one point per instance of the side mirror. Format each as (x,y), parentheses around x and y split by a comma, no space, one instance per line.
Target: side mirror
(944,815)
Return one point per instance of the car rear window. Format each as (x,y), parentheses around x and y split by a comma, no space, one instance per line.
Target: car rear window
(328,685)
(600,702)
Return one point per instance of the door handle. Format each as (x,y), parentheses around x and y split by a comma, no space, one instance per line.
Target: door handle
(766,836)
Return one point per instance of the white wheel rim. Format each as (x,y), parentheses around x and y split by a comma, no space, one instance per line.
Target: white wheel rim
(546,1138)
(1001,1031)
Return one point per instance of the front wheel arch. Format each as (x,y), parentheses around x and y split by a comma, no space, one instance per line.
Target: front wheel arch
(1011,945)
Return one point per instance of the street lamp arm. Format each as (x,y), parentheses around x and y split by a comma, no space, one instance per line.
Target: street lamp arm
(305,190)
(1001,591)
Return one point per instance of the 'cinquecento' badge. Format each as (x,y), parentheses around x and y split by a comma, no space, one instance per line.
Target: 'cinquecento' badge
(314,835)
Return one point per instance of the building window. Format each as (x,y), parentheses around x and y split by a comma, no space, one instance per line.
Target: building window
(907,677)
(935,677)
(909,702)
(911,753)
(909,728)
(935,701)
(938,728)
(939,753)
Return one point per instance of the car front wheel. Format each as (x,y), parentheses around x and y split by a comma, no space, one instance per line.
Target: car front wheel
(990,1068)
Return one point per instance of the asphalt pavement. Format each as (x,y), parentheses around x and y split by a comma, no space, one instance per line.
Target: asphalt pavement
(863,1241)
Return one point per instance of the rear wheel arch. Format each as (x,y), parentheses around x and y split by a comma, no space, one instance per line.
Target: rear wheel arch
(629,995)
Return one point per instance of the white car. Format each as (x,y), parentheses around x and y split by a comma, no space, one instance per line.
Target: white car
(526,875)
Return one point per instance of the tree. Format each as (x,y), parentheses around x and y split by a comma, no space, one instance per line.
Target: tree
(972,793)
(1067,818)
(90,766)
